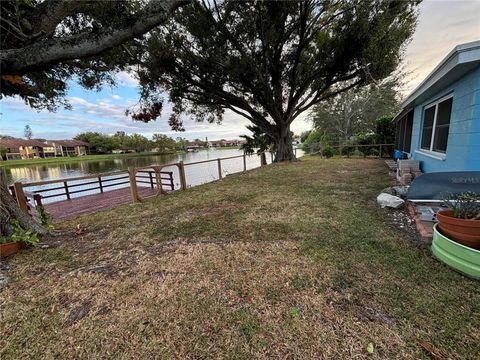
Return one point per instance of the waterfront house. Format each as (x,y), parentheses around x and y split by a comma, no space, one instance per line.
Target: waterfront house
(225,143)
(439,124)
(195,145)
(25,149)
(69,147)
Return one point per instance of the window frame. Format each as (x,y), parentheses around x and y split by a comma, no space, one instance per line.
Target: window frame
(403,132)
(434,125)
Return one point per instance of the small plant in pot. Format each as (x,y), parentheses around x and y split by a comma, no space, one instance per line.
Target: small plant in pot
(461,222)
(20,237)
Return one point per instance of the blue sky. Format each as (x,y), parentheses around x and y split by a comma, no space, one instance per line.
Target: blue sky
(442,24)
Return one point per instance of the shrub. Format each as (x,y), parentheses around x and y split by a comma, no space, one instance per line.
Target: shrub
(358,153)
(348,148)
(315,140)
(328,152)
(3,152)
(304,135)
(366,139)
(373,152)
(314,149)
(385,130)
(348,151)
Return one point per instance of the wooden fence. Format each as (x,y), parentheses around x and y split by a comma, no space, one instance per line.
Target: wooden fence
(153,176)
(382,150)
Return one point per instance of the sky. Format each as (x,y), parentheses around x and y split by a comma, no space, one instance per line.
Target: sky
(442,24)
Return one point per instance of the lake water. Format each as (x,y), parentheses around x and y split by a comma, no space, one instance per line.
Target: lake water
(195,174)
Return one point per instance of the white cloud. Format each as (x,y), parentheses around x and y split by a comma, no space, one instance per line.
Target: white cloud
(441,26)
(103,108)
(127,79)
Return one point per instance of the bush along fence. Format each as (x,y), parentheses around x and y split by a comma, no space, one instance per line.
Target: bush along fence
(70,197)
(353,150)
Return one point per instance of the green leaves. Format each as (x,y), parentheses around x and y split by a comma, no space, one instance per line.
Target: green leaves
(22,235)
(271,61)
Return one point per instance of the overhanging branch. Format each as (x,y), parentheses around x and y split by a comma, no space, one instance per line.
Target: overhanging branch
(44,54)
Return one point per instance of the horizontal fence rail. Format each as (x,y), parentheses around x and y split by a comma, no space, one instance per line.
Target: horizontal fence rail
(140,182)
(365,150)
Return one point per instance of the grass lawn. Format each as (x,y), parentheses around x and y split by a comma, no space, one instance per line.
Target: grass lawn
(68,159)
(286,261)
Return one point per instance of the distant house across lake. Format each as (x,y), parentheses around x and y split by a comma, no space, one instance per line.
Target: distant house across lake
(439,124)
(225,143)
(69,147)
(199,144)
(30,149)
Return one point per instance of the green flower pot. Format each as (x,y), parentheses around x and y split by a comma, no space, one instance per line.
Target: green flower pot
(462,258)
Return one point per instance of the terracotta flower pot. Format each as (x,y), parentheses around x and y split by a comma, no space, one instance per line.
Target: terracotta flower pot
(465,232)
(9,248)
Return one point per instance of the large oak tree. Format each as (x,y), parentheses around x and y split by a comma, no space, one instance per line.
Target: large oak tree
(270,61)
(44,44)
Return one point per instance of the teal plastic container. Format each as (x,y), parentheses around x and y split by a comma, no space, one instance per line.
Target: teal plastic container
(462,258)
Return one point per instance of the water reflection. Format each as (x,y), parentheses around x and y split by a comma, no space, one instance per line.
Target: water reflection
(44,172)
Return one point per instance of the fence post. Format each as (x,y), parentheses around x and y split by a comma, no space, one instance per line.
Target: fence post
(263,159)
(295,151)
(172,185)
(183,180)
(244,162)
(100,184)
(151,179)
(133,184)
(380,152)
(65,185)
(38,199)
(158,179)
(20,195)
(219,168)
(341,148)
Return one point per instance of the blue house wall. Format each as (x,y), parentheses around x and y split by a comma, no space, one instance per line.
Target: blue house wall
(463,146)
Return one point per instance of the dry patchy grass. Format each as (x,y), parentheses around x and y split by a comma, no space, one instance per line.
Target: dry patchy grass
(287,261)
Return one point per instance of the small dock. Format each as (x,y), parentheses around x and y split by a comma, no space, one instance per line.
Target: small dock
(72,197)
(69,198)
(69,209)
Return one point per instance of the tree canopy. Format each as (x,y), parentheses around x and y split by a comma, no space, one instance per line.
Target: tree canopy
(45,43)
(356,110)
(269,61)
(27,132)
(103,143)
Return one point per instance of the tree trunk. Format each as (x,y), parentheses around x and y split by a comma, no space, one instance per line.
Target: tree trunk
(283,144)
(9,210)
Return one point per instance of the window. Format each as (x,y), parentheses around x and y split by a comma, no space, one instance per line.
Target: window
(403,135)
(436,123)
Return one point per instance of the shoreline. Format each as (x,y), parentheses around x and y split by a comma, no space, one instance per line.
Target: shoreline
(85,158)
(94,157)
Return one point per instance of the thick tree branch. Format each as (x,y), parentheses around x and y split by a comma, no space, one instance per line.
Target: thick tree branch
(325,96)
(46,53)
(48,14)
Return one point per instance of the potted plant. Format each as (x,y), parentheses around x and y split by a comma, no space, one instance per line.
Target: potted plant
(8,247)
(461,222)
(20,237)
